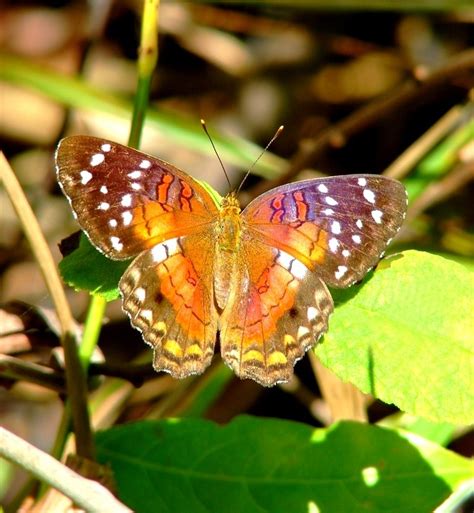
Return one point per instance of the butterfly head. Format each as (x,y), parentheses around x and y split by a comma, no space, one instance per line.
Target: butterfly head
(230,205)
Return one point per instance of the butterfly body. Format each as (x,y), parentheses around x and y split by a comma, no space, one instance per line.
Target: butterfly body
(228,233)
(258,277)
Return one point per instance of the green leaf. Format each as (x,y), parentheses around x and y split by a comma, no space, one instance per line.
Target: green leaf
(259,465)
(209,390)
(441,433)
(407,336)
(87,269)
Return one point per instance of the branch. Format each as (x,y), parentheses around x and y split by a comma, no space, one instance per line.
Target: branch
(337,134)
(87,494)
(75,380)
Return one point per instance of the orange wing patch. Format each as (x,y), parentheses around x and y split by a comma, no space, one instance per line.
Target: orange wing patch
(303,240)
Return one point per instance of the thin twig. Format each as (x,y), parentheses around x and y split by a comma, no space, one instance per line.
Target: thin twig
(462,174)
(336,135)
(16,369)
(75,380)
(412,155)
(88,494)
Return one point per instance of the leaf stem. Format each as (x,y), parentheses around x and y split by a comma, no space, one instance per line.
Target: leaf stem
(92,327)
(147,59)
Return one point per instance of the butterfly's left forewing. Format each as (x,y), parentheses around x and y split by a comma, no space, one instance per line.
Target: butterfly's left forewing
(127,201)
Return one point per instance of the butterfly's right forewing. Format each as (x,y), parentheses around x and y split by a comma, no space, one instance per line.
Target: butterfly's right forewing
(337,226)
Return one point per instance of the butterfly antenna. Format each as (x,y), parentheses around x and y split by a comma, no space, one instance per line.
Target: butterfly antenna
(276,134)
(204,127)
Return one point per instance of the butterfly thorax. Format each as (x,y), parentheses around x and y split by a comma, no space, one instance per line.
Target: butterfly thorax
(228,237)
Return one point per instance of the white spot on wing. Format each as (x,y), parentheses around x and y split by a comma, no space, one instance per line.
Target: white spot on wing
(147,315)
(86,176)
(322,188)
(284,259)
(172,246)
(341,271)
(346,253)
(145,164)
(126,200)
(303,331)
(136,186)
(113,223)
(377,215)
(104,206)
(140,294)
(97,159)
(356,239)
(330,201)
(127,217)
(162,251)
(295,267)
(336,227)
(104,189)
(106,147)
(312,313)
(362,182)
(116,244)
(333,244)
(369,195)
(328,211)
(359,224)
(135,174)
(298,270)
(158,253)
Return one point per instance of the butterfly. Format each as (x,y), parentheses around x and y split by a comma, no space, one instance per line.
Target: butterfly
(258,276)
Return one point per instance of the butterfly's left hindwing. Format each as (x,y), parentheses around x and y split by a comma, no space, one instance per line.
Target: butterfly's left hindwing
(127,201)
(337,226)
(167,293)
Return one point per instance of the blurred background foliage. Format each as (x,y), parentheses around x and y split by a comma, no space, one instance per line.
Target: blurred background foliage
(361,87)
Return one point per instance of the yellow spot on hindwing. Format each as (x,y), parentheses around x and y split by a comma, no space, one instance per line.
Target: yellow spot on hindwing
(194,350)
(171,346)
(160,327)
(253,354)
(277,358)
(288,340)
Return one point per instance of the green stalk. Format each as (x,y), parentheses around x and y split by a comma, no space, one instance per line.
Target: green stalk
(147,59)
